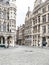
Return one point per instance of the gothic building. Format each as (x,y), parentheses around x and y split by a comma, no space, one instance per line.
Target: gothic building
(28,28)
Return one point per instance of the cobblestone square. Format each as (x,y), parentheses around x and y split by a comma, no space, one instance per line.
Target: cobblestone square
(24,56)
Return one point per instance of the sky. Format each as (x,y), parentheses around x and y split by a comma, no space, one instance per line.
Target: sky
(22,8)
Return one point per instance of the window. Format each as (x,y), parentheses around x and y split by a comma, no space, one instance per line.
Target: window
(38,18)
(48,37)
(4,26)
(4,13)
(48,28)
(44,29)
(10,30)
(35,19)
(8,27)
(48,16)
(44,9)
(38,28)
(8,17)
(1,14)
(44,18)
(33,37)
(0,26)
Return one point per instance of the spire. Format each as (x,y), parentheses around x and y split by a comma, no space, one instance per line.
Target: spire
(28,12)
(28,8)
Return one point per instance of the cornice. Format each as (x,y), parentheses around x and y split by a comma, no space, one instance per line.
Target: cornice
(40,6)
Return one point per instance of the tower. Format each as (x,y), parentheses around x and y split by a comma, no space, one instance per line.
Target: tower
(28,12)
(7,23)
(12,17)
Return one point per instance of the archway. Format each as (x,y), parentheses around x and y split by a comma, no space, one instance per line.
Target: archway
(9,40)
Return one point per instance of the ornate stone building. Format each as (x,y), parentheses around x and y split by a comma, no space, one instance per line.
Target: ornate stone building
(37,24)
(20,35)
(28,28)
(7,23)
(40,23)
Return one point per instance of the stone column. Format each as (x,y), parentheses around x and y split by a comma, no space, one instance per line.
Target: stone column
(46,28)
(47,18)
(6,44)
(1,27)
(6,27)
(1,40)
(37,41)
(47,41)
(37,20)
(32,34)
(32,41)
(13,41)
(46,34)
(41,19)
(37,29)
(40,41)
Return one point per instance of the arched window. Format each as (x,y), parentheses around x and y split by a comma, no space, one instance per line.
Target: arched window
(4,26)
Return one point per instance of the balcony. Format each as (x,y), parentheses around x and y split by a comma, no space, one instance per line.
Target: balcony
(6,33)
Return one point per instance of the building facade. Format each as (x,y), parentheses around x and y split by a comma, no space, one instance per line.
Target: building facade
(37,24)
(40,23)
(28,28)
(20,35)
(7,23)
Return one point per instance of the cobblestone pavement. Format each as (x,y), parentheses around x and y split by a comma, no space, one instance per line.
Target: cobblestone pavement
(24,56)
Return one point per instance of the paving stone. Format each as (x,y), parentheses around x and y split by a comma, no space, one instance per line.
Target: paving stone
(24,56)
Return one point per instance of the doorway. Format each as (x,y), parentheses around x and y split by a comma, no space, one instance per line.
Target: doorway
(44,41)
